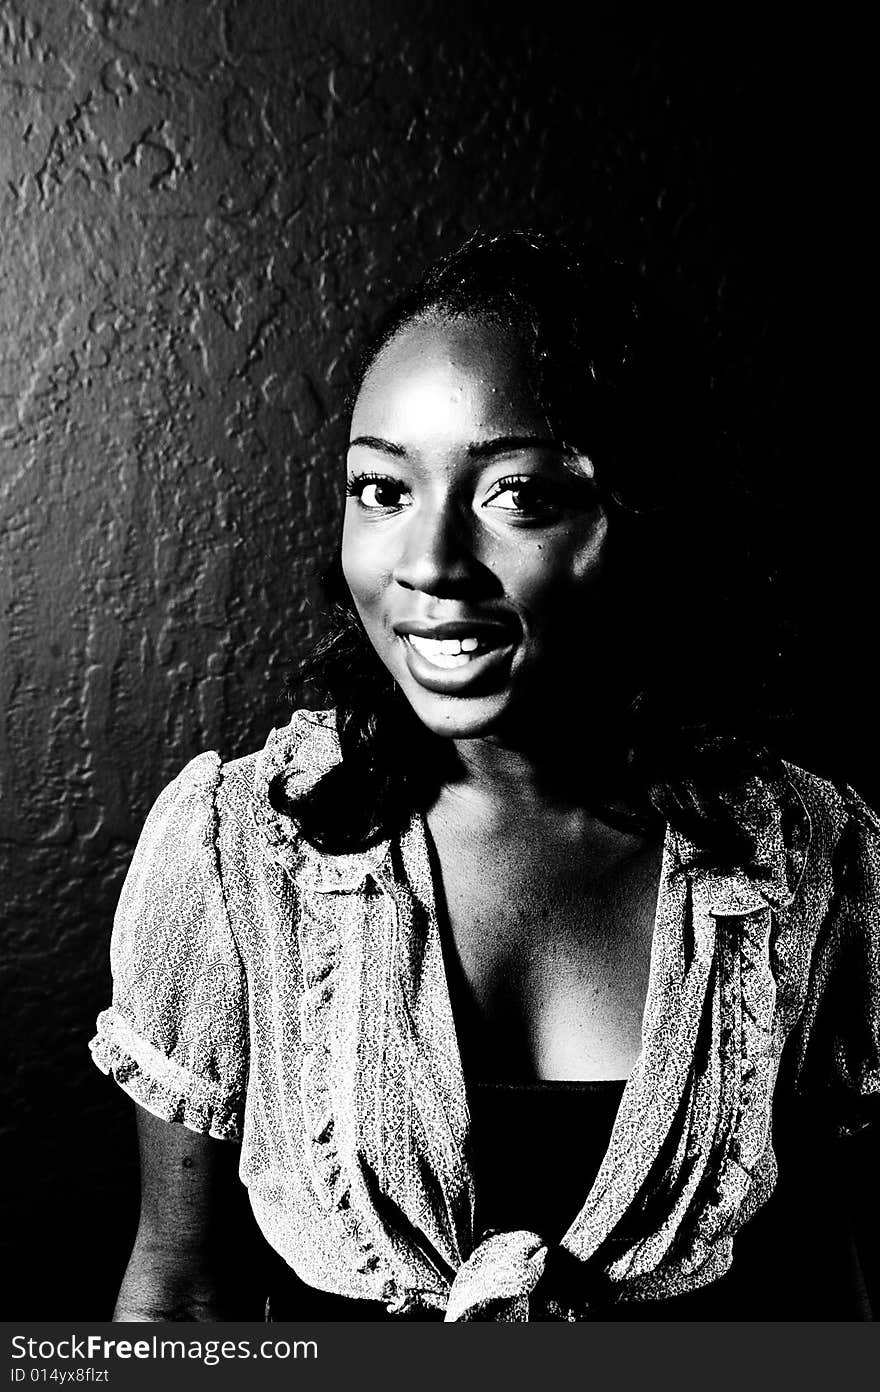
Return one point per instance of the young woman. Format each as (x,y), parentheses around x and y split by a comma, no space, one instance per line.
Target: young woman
(528,982)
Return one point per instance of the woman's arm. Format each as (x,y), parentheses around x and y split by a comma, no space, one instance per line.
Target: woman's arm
(197,1251)
(860,1172)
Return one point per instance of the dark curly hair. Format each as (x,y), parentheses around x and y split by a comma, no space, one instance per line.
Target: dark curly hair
(622,381)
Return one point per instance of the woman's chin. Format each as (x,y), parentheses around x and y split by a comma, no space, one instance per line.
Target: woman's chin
(455,717)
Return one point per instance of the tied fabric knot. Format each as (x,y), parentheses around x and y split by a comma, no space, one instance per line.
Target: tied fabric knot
(497,1279)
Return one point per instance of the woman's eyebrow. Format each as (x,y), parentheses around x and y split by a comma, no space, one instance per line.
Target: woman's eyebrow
(507,444)
(375,443)
(479,449)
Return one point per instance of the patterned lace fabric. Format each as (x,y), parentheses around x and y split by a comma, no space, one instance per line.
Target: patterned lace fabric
(298,1003)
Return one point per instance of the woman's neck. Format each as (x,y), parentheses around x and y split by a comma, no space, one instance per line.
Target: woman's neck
(491,772)
(490,780)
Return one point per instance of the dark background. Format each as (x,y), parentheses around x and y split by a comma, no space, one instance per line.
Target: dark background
(202,205)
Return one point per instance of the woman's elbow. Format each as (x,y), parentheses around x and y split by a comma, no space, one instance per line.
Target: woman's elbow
(163,1286)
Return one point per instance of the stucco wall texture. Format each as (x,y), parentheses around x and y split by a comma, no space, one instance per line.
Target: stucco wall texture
(202,205)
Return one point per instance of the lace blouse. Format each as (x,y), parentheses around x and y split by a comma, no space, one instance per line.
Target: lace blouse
(297,1002)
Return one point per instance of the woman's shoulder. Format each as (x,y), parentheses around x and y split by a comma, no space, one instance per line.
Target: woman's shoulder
(299,753)
(841,831)
(295,755)
(836,810)
(812,835)
(236,801)
(253,793)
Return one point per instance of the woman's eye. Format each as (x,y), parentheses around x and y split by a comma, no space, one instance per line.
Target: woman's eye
(376,494)
(524,496)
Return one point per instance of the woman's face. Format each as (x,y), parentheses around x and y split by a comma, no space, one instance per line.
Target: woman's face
(473,540)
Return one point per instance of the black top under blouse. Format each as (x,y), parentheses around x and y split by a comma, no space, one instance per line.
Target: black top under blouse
(535,1151)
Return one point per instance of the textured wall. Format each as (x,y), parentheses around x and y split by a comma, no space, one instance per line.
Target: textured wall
(200,204)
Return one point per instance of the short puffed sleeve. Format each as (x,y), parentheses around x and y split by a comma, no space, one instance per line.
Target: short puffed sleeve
(175,1037)
(838,1039)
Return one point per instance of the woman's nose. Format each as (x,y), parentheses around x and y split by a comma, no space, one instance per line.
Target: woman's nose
(437,554)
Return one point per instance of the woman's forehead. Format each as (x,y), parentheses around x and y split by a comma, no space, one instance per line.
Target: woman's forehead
(445,377)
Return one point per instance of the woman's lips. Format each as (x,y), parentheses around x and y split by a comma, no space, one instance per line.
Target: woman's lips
(449,665)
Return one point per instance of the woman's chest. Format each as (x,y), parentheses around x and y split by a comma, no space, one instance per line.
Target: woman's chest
(548,961)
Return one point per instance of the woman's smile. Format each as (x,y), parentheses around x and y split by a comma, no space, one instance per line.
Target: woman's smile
(457,657)
(473,537)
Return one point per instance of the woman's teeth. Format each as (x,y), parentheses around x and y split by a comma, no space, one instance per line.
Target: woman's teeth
(445,652)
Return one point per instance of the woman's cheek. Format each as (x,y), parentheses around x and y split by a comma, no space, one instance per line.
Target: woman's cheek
(554,567)
(359,566)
